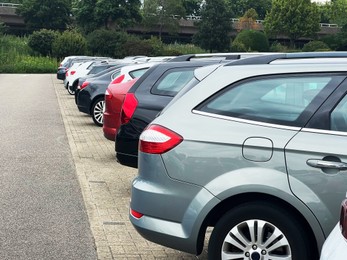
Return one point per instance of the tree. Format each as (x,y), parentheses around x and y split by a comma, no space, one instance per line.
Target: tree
(46,14)
(337,11)
(192,7)
(84,14)
(239,7)
(248,21)
(214,27)
(110,14)
(117,14)
(293,18)
(163,14)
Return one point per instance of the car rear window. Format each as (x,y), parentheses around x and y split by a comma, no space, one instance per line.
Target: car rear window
(279,100)
(173,81)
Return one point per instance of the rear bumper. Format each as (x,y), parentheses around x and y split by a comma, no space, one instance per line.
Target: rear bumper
(109,127)
(173,211)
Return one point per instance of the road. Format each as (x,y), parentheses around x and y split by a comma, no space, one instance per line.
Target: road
(42,212)
(63,195)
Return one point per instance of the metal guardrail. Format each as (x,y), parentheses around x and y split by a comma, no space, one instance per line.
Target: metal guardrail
(193,17)
(9,5)
(235,20)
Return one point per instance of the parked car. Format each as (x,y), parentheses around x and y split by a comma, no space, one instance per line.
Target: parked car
(149,95)
(335,247)
(67,62)
(255,151)
(91,96)
(114,97)
(82,69)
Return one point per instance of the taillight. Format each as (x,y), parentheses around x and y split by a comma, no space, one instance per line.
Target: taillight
(135,213)
(118,79)
(108,95)
(343,218)
(128,108)
(72,72)
(156,139)
(67,73)
(85,84)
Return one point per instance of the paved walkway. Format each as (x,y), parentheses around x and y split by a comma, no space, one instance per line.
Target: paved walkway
(106,186)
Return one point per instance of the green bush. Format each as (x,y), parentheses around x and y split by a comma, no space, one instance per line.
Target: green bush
(16,57)
(157,46)
(42,41)
(238,47)
(135,46)
(179,49)
(69,43)
(316,46)
(278,47)
(107,43)
(252,40)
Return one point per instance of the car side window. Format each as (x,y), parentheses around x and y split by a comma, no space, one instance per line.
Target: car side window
(338,117)
(173,81)
(115,74)
(278,100)
(138,73)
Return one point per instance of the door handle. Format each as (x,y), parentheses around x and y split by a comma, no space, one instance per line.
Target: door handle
(327,164)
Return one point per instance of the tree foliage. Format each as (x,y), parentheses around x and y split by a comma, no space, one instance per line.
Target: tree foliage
(239,7)
(42,41)
(46,14)
(105,42)
(252,40)
(337,11)
(248,21)
(293,18)
(214,27)
(163,14)
(69,43)
(84,14)
(111,14)
(192,7)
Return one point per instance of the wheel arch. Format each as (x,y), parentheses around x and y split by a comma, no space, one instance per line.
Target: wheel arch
(313,229)
(94,100)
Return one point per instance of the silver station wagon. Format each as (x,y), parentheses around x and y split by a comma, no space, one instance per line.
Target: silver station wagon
(258,152)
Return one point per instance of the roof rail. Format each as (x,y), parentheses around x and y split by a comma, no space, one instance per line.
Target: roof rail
(267,59)
(188,57)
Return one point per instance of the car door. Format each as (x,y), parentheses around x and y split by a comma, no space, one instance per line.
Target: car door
(316,158)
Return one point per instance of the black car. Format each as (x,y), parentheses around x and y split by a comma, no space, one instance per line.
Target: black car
(90,94)
(146,98)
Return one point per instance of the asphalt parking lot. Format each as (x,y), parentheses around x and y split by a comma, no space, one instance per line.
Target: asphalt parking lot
(106,187)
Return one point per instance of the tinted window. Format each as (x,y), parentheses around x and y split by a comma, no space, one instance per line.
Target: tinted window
(172,81)
(338,117)
(274,100)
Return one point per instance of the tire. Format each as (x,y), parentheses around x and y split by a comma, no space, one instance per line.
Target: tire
(233,234)
(98,111)
(71,89)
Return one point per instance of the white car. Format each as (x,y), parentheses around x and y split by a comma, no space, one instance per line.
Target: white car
(335,247)
(76,71)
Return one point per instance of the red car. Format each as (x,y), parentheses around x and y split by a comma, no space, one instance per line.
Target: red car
(114,97)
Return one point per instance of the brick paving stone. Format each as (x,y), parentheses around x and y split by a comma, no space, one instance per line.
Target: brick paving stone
(106,186)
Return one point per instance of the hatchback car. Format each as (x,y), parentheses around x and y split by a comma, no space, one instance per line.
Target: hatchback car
(114,97)
(91,94)
(255,151)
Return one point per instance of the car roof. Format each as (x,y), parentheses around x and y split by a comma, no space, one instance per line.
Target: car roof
(157,69)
